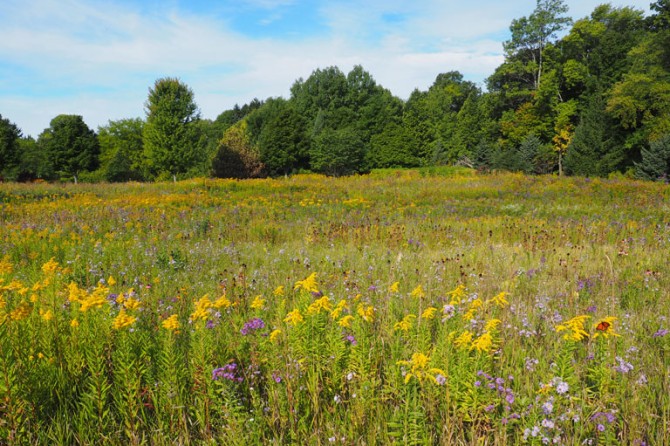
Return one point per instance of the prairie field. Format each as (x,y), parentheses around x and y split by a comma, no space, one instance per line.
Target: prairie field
(413,307)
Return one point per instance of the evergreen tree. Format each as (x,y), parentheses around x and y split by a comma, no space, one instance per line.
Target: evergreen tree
(9,149)
(655,163)
(338,152)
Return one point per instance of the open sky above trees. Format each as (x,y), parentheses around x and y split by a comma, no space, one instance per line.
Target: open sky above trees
(98,58)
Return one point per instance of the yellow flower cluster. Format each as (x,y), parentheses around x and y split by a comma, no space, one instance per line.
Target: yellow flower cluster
(258,303)
(367,312)
(575,328)
(339,308)
(457,295)
(123,320)
(222,302)
(419,369)
(318,305)
(171,323)
(294,317)
(201,310)
(308,284)
(418,292)
(405,324)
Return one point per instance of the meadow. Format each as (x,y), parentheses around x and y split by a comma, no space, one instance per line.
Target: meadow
(409,307)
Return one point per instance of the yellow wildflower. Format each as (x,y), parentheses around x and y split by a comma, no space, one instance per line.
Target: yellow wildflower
(367,312)
(21,311)
(405,324)
(419,369)
(492,325)
(484,343)
(6,266)
(274,336)
(132,303)
(418,292)
(279,291)
(308,284)
(75,294)
(575,328)
(74,323)
(201,310)
(345,322)
(171,323)
(34,298)
(294,317)
(222,302)
(605,327)
(457,295)
(258,303)
(3,303)
(464,340)
(318,305)
(46,315)
(341,305)
(499,299)
(123,320)
(50,267)
(96,299)
(429,313)
(394,287)
(111,281)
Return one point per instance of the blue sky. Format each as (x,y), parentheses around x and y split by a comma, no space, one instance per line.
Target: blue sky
(98,58)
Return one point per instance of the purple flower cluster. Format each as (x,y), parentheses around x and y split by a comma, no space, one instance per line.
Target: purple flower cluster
(253,325)
(660,333)
(600,418)
(623,366)
(506,394)
(228,372)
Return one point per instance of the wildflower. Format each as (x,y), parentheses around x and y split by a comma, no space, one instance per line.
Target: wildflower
(171,323)
(342,304)
(492,325)
(575,328)
(279,291)
(405,324)
(605,327)
(660,333)
(418,292)
(253,325)
(96,299)
(464,340)
(258,303)
(352,339)
(308,284)
(429,313)
(131,303)
(457,295)
(111,281)
(201,310)
(448,312)
(394,287)
(420,370)
(6,266)
(345,322)
(21,311)
(75,294)
(367,312)
(222,302)
(74,323)
(274,336)
(623,366)
(484,343)
(294,317)
(318,305)
(227,372)
(50,267)
(123,320)
(499,299)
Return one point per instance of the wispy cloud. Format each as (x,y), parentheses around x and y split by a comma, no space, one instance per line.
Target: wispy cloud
(98,58)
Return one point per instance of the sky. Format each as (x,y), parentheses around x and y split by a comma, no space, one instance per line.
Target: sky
(98,58)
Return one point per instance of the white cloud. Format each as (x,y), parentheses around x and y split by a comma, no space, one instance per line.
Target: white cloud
(110,54)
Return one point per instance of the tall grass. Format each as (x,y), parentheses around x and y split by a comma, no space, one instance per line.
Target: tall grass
(400,307)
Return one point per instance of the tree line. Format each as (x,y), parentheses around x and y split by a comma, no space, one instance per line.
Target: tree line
(593,102)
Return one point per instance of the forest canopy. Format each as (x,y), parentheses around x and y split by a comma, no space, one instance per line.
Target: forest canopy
(589,97)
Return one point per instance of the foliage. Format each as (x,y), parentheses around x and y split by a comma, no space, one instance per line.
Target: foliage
(169,133)
(122,150)
(655,163)
(338,152)
(9,148)
(70,146)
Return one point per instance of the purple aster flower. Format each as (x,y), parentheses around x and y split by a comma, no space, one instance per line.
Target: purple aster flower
(352,339)
(548,407)
(441,379)
(254,324)
(490,407)
(660,333)
(510,398)
(600,427)
(275,377)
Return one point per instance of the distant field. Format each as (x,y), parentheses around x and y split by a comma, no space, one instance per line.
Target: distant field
(400,307)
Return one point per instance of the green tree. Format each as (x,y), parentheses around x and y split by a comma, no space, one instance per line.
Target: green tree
(532,34)
(9,149)
(338,152)
(283,143)
(655,163)
(122,150)
(237,157)
(70,145)
(170,136)
(34,161)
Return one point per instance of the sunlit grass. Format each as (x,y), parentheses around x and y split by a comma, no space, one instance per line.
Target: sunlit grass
(409,307)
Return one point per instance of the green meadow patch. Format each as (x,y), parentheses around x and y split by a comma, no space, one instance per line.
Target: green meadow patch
(400,307)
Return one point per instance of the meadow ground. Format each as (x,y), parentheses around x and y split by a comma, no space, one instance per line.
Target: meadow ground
(400,307)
